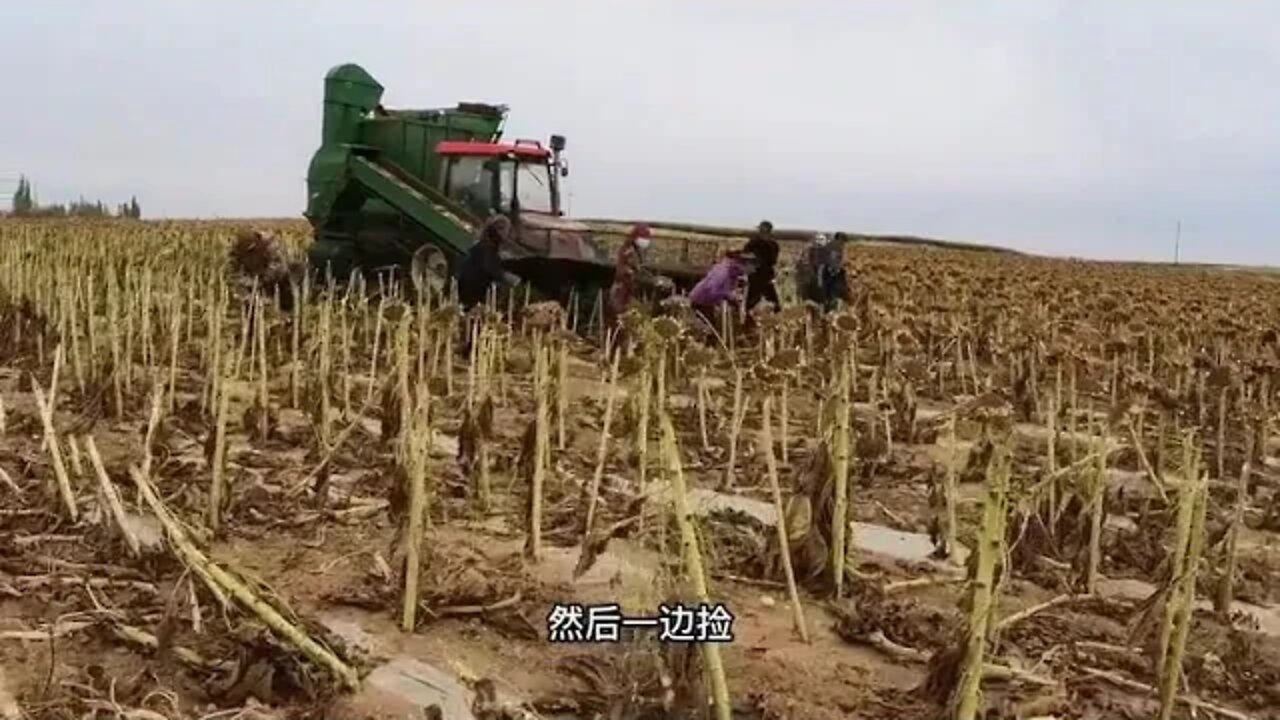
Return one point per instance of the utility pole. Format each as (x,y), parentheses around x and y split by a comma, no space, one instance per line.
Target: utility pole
(1177,243)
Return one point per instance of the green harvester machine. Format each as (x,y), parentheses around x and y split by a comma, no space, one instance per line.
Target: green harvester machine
(406,191)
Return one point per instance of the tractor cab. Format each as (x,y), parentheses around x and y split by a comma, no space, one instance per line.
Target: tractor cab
(521,180)
(507,178)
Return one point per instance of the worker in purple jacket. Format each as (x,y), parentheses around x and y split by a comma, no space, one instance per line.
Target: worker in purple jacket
(720,284)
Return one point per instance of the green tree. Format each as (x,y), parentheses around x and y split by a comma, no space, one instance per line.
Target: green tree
(25,205)
(22,202)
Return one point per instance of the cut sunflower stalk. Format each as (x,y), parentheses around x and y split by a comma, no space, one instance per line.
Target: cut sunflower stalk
(693,564)
(966,700)
(222,584)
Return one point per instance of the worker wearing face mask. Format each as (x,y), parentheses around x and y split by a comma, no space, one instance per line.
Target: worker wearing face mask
(629,273)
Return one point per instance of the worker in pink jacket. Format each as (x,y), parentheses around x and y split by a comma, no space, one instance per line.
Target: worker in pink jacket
(720,284)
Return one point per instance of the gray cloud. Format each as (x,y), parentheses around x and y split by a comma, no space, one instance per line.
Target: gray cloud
(1081,127)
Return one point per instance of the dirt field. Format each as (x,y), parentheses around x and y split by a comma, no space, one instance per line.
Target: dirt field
(203,516)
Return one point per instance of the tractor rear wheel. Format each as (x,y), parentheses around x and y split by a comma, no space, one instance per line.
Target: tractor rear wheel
(430,271)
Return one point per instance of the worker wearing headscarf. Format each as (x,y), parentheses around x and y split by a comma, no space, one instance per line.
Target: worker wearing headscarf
(629,272)
(760,285)
(720,284)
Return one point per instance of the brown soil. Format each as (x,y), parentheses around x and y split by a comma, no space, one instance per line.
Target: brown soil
(89,629)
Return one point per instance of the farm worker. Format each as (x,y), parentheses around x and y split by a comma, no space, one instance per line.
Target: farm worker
(838,241)
(838,283)
(482,269)
(820,272)
(720,285)
(760,282)
(258,260)
(482,266)
(629,273)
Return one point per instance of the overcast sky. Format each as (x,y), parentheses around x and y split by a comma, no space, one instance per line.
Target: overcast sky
(1073,127)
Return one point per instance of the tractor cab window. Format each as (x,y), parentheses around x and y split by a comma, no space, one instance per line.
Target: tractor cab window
(533,187)
(471,184)
(528,183)
(506,183)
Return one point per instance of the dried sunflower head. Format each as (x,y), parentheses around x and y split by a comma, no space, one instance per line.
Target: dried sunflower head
(633,321)
(393,312)
(905,338)
(915,371)
(630,365)
(491,316)
(446,314)
(667,328)
(989,408)
(762,376)
(844,322)
(698,356)
(543,315)
(788,360)
(520,361)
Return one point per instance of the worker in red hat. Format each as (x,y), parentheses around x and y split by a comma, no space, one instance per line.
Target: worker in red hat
(628,273)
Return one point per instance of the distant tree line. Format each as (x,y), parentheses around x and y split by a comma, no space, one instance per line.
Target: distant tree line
(26,205)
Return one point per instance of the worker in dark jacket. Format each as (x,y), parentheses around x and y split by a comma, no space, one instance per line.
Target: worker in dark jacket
(480,270)
(760,285)
(838,287)
(482,267)
(820,275)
